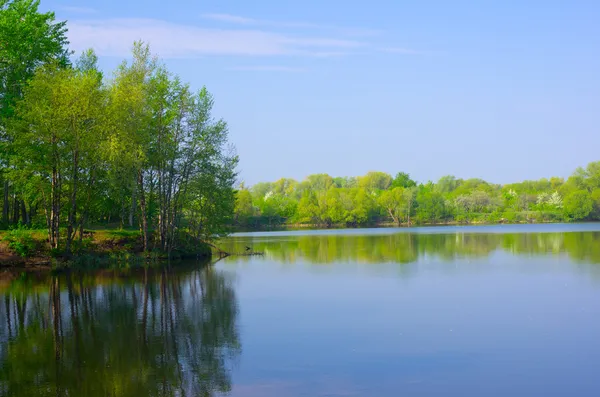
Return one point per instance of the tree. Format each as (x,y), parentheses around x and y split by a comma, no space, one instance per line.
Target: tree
(431,205)
(131,129)
(244,209)
(393,201)
(596,200)
(363,206)
(345,182)
(447,184)
(55,139)
(320,182)
(375,181)
(28,39)
(402,179)
(284,186)
(589,177)
(409,198)
(308,208)
(260,190)
(578,205)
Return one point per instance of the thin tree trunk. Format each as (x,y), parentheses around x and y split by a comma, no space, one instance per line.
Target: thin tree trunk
(5,207)
(54,210)
(16,208)
(73,210)
(24,215)
(161,208)
(143,215)
(133,206)
(394,218)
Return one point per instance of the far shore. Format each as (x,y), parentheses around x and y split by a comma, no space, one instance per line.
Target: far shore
(302,226)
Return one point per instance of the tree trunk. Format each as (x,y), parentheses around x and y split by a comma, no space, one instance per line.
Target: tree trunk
(5,206)
(161,210)
(133,206)
(394,218)
(16,209)
(73,210)
(55,209)
(143,215)
(24,214)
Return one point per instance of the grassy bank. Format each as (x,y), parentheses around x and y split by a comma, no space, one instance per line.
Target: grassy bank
(103,248)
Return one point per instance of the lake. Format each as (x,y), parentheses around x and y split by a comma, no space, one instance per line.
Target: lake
(436,311)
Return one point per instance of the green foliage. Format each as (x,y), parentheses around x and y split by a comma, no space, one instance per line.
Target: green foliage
(402,179)
(578,205)
(244,208)
(20,241)
(431,206)
(28,39)
(141,147)
(374,181)
(321,200)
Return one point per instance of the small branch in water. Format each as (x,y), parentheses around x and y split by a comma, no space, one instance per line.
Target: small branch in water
(224,254)
(248,253)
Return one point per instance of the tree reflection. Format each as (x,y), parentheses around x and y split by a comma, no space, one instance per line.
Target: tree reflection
(409,247)
(158,333)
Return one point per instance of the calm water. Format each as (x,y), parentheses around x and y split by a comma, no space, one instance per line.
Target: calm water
(471,311)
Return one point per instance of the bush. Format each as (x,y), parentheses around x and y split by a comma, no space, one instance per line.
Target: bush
(514,217)
(20,241)
(494,217)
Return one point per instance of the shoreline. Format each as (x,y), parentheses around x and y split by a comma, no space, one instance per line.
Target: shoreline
(385,225)
(105,249)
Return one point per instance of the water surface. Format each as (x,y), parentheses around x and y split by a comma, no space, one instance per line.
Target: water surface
(454,311)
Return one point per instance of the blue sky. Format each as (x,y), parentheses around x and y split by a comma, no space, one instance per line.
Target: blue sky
(501,90)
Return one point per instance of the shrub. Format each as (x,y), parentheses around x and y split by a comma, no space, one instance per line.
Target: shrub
(20,241)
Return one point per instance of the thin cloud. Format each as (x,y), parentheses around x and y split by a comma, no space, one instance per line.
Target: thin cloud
(114,37)
(267,68)
(231,19)
(78,10)
(240,20)
(405,51)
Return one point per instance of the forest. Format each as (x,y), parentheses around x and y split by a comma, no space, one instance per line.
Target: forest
(79,147)
(378,198)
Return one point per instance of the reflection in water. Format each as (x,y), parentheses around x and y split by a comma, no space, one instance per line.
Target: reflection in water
(409,247)
(156,333)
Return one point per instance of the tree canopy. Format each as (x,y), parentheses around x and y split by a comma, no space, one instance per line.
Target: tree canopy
(379,198)
(140,149)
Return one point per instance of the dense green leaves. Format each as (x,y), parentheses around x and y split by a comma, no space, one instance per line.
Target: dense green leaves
(142,149)
(578,205)
(28,39)
(55,140)
(377,198)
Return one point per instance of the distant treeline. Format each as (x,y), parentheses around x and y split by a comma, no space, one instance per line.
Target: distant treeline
(378,198)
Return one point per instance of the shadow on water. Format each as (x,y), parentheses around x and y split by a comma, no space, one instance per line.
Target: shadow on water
(147,332)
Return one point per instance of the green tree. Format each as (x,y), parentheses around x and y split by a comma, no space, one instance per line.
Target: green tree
(244,208)
(375,181)
(447,184)
(308,208)
(431,206)
(393,202)
(320,182)
(578,205)
(28,39)
(131,128)
(55,139)
(402,179)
